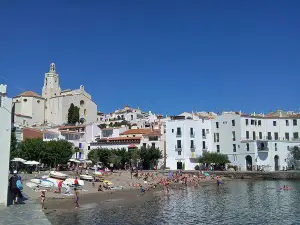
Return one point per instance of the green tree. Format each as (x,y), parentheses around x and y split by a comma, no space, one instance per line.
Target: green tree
(149,156)
(75,115)
(214,157)
(93,155)
(294,157)
(70,113)
(102,126)
(58,152)
(13,146)
(33,149)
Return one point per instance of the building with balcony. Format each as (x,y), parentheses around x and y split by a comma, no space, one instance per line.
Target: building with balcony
(186,140)
(256,140)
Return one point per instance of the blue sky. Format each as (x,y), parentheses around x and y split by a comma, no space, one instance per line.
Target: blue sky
(167,56)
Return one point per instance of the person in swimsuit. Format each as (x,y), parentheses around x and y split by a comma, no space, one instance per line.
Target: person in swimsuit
(43,198)
(76,198)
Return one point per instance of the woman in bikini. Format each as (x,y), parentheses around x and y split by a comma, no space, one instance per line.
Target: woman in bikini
(43,198)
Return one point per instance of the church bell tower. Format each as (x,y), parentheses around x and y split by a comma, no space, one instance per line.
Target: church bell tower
(51,89)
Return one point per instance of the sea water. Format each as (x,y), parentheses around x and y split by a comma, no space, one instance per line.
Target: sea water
(233,202)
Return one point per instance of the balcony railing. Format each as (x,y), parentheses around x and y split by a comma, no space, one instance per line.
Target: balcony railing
(264,149)
(178,134)
(192,134)
(193,148)
(203,136)
(194,155)
(178,148)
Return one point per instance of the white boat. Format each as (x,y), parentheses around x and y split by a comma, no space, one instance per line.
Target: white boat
(46,183)
(31,185)
(86,177)
(71,181)
(36,181)
(98,173)
(58,175)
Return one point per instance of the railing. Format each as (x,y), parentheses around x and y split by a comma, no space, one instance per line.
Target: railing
(178,148)
(178,134)
(263,149)
(203,136)
(194,155)
(192,135)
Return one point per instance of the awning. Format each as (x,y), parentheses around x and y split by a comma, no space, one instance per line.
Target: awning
(131,146)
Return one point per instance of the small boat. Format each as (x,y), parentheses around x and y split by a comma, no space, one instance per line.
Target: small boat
(71,181)
(58,175)
(86,177)
(46,183)
(31,184)
(54,181)
(97,173)
(36,181)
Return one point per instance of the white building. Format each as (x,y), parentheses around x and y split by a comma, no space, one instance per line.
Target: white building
(256,140)
(52,107)
(186,140)
(5,135)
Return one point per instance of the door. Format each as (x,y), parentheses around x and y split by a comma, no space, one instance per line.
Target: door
(179,165)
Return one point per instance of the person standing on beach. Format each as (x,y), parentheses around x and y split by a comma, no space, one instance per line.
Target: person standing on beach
(43,198)
(77,205)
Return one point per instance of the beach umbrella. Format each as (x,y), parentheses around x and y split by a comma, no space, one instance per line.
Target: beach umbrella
(74,160)
(31,163)
(18,160)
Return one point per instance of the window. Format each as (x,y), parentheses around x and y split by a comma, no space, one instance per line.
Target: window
(153,138)
(269,136)
(178,143)
(287,136)
(295,135)
(153,145)
(224,122)
(24,100)
(217,124)
(81,103)
(247,134)
(275,146)
(203,133)
(215,137)
(203,145)
(254,135)
(233,123)
(178,133)
(252,122)
(287,123)
(276,135)
(192,144)
(247,122)
(294,122)
(274,123)
(260,135)
(259,122)
(131,117)
(233,135)
(192,131)
(144,145)
(207,131)
(172,130)
(218,137)
(247,147)
(179,152)
(218,148)
(234,147)
(89,147)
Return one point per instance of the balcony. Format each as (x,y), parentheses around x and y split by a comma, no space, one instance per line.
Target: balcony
(192,135)
(262,149)
(193,148)
(203,136)
(178,134)
(178,148)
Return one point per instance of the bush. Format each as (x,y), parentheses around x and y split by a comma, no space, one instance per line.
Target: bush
(197,167)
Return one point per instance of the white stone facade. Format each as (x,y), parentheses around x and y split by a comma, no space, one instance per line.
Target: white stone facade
(52,107)
(5,135)
(186,140)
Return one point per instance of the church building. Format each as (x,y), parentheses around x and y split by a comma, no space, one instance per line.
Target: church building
(51,108)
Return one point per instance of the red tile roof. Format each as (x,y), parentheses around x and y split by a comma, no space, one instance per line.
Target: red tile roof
(29,94)
(148,132)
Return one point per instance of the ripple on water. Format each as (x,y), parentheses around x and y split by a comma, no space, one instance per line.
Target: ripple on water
(236,202)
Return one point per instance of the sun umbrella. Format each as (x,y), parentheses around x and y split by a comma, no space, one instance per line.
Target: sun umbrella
(74,160)
(31,163)
(18,160)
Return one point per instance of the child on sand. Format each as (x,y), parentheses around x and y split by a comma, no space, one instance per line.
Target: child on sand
(43,198)
(76,198)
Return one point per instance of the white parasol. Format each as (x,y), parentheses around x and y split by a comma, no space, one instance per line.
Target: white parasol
(31,163)
(18,160)
(74,160)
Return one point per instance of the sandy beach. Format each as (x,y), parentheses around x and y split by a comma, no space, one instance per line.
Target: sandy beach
(90,197)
